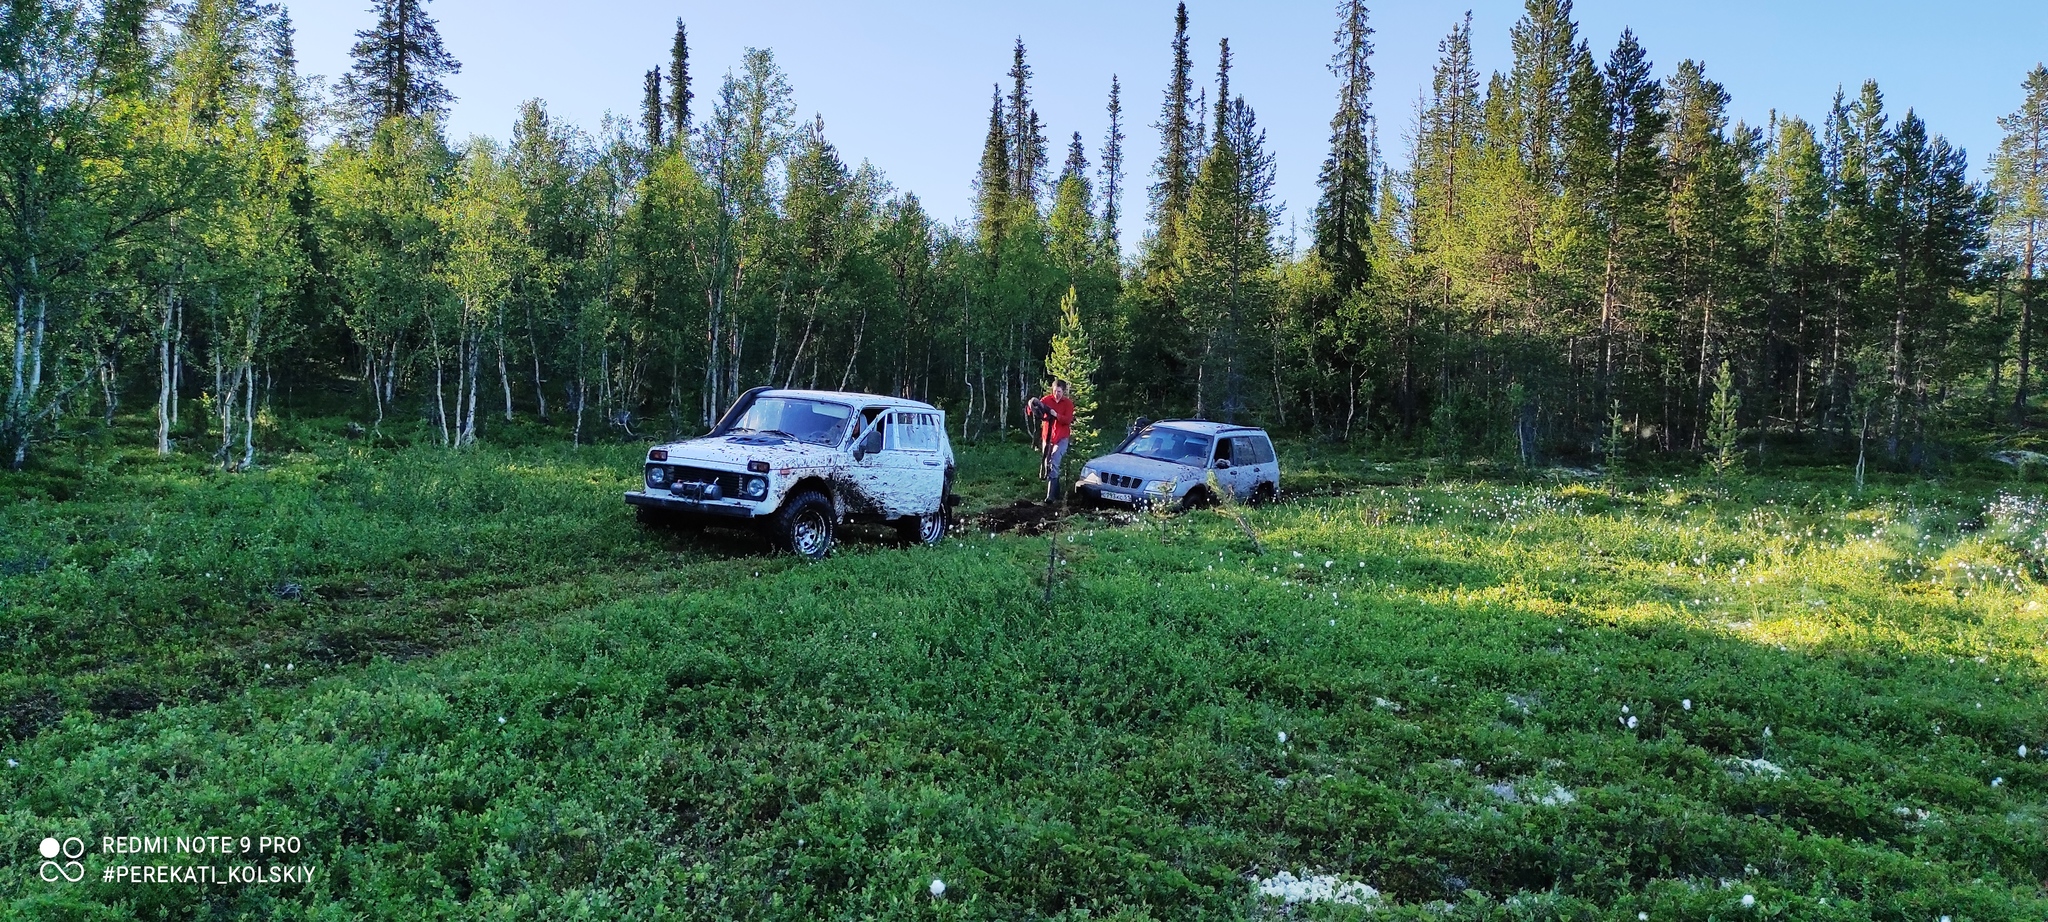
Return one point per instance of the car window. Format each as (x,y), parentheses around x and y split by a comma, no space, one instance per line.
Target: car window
(1163,443)
(909,431)
(1261,448)
(1244,451)
(1224,449)
(810,421)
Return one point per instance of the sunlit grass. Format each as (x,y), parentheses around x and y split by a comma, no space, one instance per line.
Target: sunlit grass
(1511,698)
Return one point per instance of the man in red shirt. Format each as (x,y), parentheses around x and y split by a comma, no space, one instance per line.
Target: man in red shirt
(1056,433)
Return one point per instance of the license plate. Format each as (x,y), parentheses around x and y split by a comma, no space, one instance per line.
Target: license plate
(1118,497)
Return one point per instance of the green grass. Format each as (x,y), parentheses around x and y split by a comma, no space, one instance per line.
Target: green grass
(495,697)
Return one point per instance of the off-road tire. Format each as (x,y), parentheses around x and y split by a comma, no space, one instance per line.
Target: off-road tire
(803,526)
(1197,498)
(924,529)
(1264,493)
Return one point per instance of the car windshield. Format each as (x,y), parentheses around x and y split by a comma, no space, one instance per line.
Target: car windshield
(1161,443)
(813,421)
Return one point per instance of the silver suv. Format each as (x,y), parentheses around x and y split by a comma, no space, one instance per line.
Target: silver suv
(797,464)
(1171,462)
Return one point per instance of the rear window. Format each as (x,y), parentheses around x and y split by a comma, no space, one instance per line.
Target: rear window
(913,432)
(1262,448)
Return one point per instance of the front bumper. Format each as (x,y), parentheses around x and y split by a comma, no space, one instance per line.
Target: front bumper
(1115,496)
(718,509)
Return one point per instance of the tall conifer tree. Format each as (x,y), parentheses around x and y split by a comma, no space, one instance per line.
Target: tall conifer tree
(679,94)
(1343,217)
(2019,186)
(651,111)
(399,65)
(1113,169)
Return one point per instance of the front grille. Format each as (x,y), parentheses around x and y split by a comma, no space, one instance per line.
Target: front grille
(691,480)
(1119,480)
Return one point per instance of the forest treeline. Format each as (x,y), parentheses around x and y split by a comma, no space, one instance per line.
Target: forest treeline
(1579,256)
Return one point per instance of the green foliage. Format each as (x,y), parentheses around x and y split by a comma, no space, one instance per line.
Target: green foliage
(1073,360)
(1614,442)
(1724,433)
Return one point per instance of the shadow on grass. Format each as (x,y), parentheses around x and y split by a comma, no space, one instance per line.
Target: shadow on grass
(823,741)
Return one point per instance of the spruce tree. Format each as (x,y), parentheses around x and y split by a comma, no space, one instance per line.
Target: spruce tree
(1343,217)
(1546,46)
(2019,187)
(1630,203)
(1027,137)
(399,66)
(679,95)
(651,111)
(1175,170)
(1072,359)
(1724,453)
(992,206)
(1113,170)
(1934,223)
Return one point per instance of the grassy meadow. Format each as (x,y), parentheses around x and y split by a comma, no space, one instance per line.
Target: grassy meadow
(476,689)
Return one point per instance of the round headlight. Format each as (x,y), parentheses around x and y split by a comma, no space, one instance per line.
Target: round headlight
(756,487)
(657,476)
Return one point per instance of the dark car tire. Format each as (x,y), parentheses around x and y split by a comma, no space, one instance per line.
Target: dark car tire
(1197,498)
(924,529)
(1264,493)
(803,526)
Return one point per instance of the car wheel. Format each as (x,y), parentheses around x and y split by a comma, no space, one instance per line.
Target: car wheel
(804,526)
(1197,498)
(1264,493)
(923,529)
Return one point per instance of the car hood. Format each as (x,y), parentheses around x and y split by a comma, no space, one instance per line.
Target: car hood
(1147,468)
(734,451)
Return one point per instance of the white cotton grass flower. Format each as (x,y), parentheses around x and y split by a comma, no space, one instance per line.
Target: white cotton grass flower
(1767,733)
(1686,704)
(1624,709)
(938,888)
(1283,736)
(1631,723)
(1748,901)
(501,720)
(2023,750)
(1998,782)
(1642,917)
(13,764)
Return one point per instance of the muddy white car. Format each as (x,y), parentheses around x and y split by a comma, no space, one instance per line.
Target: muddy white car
(799,464)
(1183,462)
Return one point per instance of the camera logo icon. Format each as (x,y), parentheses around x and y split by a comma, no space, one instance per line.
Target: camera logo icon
(70,870)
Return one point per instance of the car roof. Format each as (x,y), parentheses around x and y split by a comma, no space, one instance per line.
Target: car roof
(1204,426)
(866,400)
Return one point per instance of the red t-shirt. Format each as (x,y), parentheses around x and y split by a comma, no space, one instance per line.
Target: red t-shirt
(1062,421)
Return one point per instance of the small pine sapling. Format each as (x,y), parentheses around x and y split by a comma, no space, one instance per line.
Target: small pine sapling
(1724,453)
(1614,443)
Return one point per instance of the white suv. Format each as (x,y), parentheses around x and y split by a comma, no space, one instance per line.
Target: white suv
(798,464)
(1173,461)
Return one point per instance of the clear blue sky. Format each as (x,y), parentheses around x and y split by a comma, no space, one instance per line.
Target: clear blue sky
(906,85)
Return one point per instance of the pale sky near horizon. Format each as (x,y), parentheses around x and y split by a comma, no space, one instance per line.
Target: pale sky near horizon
(906,85)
